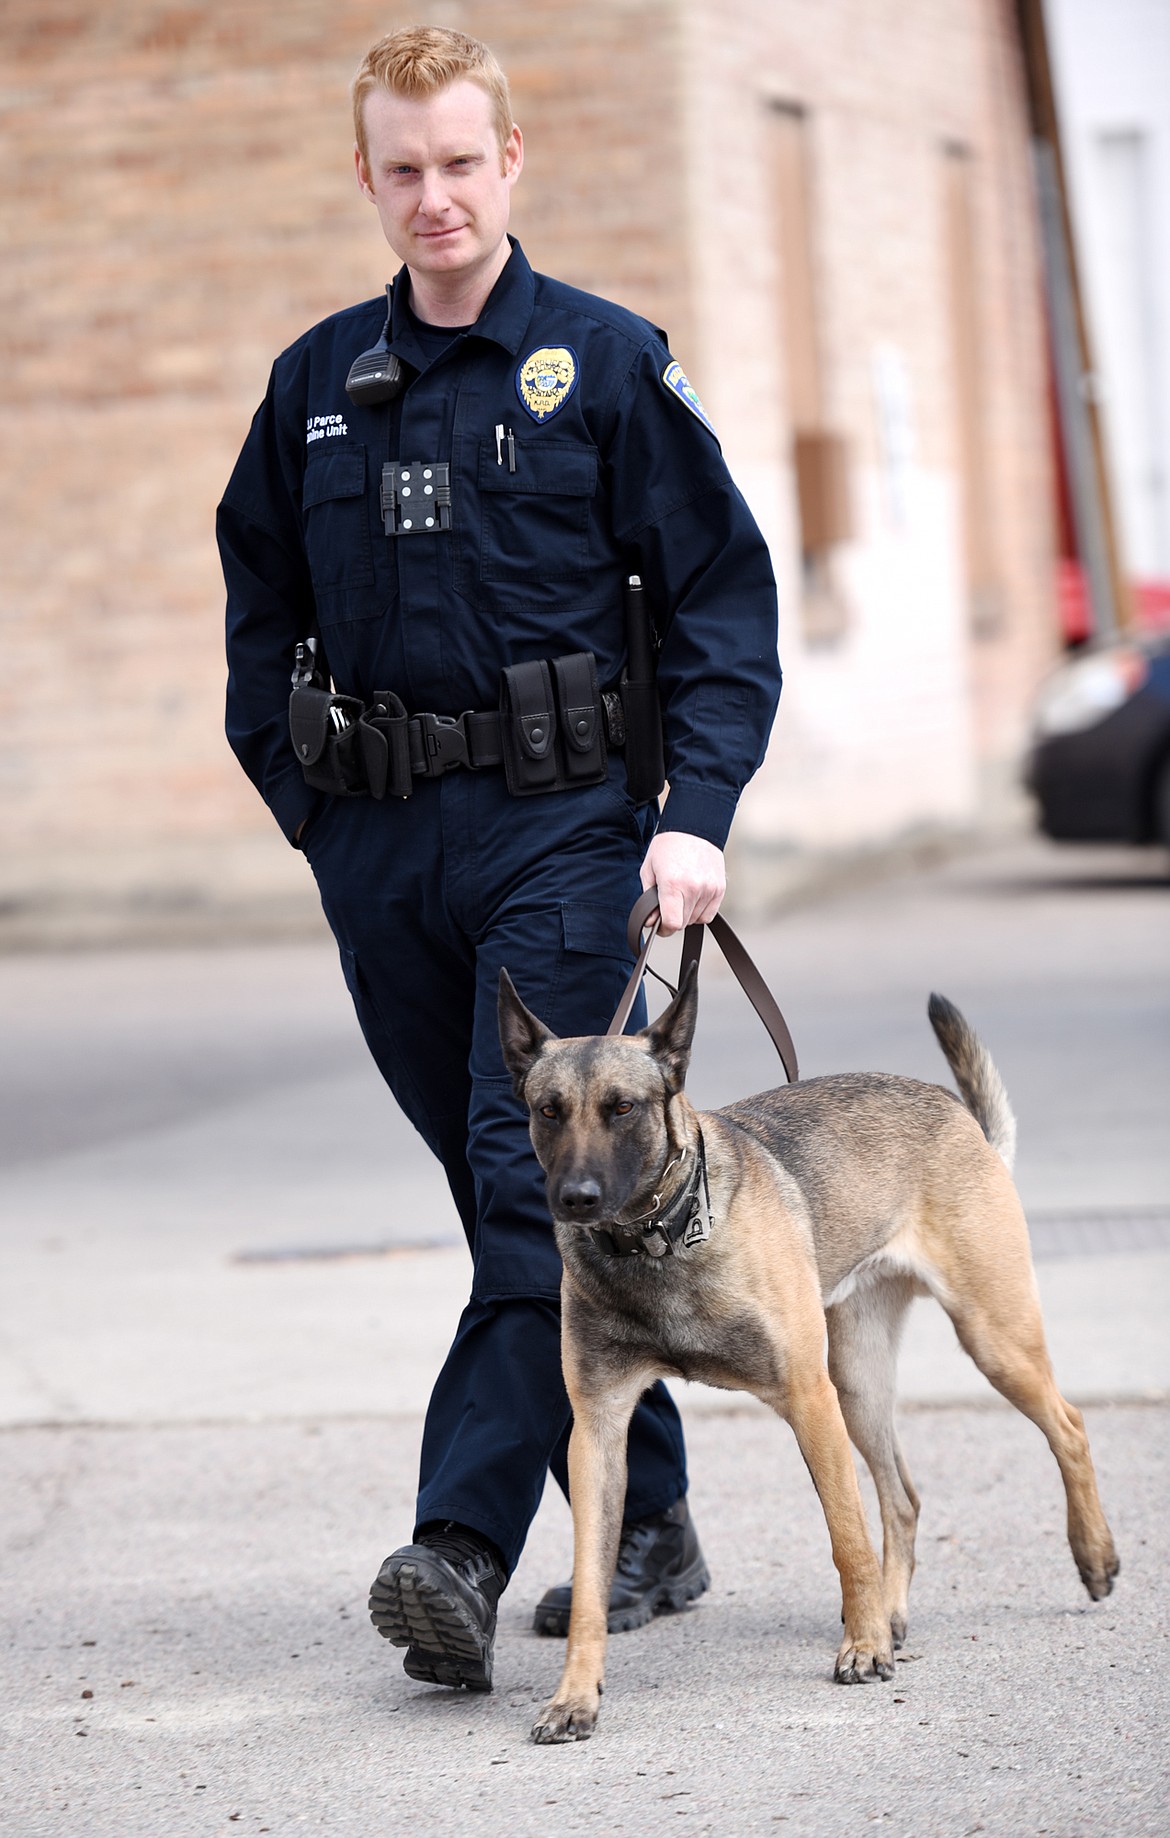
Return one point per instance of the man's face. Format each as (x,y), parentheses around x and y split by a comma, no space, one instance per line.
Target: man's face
(435,173)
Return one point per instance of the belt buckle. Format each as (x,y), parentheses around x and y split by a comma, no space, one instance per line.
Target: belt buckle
(445,742)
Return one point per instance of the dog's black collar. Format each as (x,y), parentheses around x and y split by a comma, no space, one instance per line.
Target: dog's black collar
(685,1222)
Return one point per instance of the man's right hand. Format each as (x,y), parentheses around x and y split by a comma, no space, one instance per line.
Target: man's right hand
(689,874)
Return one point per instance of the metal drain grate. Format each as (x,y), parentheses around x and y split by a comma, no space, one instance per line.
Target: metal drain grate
(1102,1232)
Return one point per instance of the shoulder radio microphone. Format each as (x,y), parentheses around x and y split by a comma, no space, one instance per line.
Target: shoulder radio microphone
(377,375)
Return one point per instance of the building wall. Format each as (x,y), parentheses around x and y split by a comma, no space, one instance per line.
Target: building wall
(916,704)
(178,204)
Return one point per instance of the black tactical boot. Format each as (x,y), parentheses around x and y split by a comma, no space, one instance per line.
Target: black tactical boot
(437,1598)
(659,1566)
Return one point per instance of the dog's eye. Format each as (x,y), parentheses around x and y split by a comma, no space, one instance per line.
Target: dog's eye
(622,1108)
(549,1111)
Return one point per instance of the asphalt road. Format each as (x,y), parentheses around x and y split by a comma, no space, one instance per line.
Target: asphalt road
(230,1273)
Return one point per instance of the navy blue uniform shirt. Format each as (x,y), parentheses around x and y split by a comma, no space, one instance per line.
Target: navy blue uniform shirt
(615,472)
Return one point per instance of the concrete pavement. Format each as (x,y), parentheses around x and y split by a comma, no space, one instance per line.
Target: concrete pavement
(230,1275)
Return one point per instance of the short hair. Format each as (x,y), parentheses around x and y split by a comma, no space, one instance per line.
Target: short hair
(421,61)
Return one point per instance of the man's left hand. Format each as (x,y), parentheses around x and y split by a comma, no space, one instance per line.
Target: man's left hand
(690,877)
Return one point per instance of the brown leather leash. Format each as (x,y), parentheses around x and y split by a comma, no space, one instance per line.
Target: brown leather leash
(646,918)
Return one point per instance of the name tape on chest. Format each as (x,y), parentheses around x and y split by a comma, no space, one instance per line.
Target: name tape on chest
(546,379)
(324,427)
(675,379)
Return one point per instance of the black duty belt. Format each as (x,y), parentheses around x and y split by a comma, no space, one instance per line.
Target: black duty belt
(551,732)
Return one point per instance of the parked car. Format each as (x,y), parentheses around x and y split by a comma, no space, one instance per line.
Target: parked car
(1100,760)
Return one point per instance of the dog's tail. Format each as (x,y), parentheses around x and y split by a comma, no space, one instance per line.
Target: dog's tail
(975,1075)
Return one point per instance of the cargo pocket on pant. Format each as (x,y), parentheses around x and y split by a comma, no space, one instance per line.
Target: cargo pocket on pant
(594,966)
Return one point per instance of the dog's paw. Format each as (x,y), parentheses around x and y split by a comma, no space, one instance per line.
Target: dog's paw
(862,1662)
(1098,1576)
(567,1720)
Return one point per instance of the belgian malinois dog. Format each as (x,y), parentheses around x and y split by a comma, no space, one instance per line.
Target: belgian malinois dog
(720,1246)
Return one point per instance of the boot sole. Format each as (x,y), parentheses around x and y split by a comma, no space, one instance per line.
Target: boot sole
(413,1606)
(440,1669)
(667,1598)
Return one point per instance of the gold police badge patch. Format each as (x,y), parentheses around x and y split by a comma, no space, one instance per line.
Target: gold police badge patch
(546,379)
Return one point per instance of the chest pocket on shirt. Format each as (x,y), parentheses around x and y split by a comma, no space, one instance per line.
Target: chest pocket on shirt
(535,521)
(337,528)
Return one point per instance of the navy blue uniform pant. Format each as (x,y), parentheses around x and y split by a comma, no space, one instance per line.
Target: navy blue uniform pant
(428,897)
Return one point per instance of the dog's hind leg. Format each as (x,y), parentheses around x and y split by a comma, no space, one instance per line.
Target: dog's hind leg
(996,1315)
(864,1330)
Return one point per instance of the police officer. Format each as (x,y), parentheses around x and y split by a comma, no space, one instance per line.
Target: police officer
(454,542)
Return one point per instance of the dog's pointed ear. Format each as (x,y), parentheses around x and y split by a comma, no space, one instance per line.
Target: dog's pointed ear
(671,1036)
(522,1036)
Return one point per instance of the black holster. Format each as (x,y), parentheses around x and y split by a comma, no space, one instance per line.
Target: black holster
(326,738)
(645,754)
(385,744)
(645,759)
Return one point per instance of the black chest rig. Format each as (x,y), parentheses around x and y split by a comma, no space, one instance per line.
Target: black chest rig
(685,1222)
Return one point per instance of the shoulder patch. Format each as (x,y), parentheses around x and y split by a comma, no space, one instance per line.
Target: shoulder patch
(675,378)
(546,379)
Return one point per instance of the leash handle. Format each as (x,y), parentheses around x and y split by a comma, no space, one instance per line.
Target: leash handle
(646,918)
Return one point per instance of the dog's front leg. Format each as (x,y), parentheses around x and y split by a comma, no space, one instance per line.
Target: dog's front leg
(597,1493)
(813,1409)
